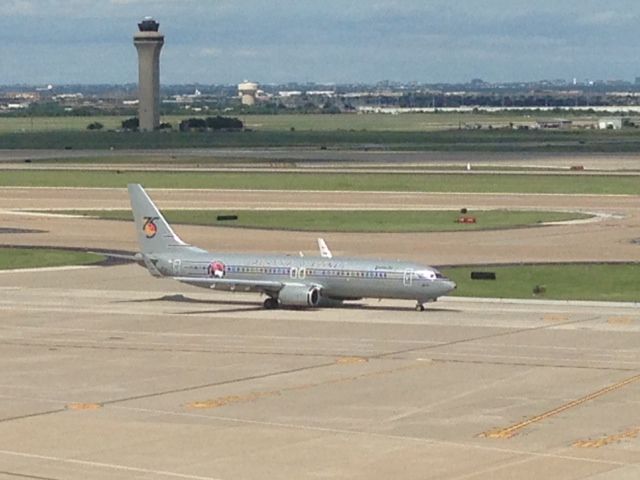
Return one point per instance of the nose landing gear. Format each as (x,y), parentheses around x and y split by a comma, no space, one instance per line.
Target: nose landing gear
(419,307)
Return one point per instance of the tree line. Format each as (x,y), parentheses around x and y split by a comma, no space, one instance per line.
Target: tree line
(216,123)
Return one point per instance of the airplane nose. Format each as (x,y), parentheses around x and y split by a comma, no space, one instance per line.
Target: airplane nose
(451,285)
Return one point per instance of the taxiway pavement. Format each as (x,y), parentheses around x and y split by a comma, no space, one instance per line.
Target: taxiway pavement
(599,161)
(609,239)
(108,373)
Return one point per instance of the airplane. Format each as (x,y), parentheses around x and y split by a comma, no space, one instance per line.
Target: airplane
(287,281)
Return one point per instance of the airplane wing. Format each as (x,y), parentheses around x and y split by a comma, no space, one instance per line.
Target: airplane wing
(119,256)
(228,284)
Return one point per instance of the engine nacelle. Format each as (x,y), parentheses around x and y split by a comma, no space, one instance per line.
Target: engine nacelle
(299,296)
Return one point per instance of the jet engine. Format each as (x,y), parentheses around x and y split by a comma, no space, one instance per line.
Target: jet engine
(299,296)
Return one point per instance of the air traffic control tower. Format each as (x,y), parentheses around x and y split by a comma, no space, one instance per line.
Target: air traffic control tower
(148,42)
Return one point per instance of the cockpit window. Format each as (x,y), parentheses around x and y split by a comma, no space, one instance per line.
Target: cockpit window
(429,275)
(426,274)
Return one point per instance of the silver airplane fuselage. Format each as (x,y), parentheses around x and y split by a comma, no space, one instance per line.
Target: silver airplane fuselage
(289,281)
(338,278)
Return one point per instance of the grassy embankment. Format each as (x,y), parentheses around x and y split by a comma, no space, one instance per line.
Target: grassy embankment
(13,258)
(599,282)
(421,132)
(351,221)
(417,122)
(445,141)
(477,182)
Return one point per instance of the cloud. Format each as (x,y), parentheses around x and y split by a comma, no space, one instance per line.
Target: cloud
(332,40)
(608,18)
(16,7)
(210,52)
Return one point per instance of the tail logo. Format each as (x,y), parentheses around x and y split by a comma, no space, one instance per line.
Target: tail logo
(149,227)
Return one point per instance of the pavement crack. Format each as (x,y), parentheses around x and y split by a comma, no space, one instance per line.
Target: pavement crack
(217,384)
(135,348)
(32,415)
(482,337)
(25,475)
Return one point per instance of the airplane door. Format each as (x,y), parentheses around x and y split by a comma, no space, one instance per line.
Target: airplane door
(293,273)
(407,279)
(177,265)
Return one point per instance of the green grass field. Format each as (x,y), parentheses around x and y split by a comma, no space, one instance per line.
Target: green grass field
(415,122)
(354,139)
(12,258)
(420,132)
(427,182)
(351,221)
(560,282)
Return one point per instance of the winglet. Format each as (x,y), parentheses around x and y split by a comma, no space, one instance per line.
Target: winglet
(324,249)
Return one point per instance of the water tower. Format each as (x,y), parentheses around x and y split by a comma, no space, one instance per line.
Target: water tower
(247,91)
(148,42)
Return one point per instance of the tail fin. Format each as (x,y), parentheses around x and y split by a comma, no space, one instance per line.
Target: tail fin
(155,235)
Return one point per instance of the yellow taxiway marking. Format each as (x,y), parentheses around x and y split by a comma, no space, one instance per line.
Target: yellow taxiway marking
(620,321)
(549,317)
(609,439)
(83,406)
(351,360)
(513,430)
(231,399)
(253,396)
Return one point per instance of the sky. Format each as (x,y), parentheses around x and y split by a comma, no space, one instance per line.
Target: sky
(323,41)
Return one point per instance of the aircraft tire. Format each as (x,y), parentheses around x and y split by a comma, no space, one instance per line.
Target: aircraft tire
(271,303)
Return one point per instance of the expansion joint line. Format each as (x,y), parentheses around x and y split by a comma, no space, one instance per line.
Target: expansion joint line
(511,431)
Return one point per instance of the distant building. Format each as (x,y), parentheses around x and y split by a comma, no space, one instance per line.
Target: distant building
(555,124)
(290,93)
(611,123)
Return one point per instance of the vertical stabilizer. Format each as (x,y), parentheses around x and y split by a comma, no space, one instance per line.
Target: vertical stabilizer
(155,235)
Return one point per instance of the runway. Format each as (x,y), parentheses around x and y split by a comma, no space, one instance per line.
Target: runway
(106,372)
(342,157)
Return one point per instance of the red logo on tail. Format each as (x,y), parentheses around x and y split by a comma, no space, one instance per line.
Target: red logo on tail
(149,227)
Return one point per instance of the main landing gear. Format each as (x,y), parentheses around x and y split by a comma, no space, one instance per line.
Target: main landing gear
(271,303)
(419,307)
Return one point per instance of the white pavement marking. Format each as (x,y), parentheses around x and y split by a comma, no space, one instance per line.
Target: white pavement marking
(429,441)
(464,394)
(109,466)
(30,213)
(49,269)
